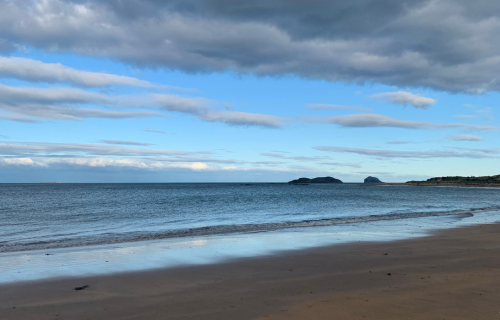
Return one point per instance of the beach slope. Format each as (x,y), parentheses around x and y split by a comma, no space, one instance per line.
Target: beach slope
(454,274)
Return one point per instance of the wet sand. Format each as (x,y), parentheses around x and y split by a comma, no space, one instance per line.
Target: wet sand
(453,274)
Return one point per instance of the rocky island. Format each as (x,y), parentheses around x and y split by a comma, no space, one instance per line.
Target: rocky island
(316,180)
(371,179)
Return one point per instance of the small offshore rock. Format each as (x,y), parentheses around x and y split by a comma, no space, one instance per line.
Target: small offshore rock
(371,179)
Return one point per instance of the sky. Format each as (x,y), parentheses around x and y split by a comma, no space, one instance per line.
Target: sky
(239,91)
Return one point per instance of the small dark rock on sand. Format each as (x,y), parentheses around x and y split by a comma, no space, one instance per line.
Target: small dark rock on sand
(82,287)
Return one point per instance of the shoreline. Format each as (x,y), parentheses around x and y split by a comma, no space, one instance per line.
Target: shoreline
(451,266)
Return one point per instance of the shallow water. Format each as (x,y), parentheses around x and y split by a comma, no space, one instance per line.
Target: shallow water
(104,259)
(47,216)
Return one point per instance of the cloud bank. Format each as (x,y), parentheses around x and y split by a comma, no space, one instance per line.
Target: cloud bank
(448,45)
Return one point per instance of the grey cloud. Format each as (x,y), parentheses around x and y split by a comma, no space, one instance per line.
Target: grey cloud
(300,158)
(399,142)
(483,150)
(170,102)
(26,103)
(72,113)
(37,71)
(244,118)
(30,95)
(130,143)
(464,138)
(199,107)
(487,113)
(465,116)
(443,44)
(371,120)
(56,103)
(375,172)
(268,163)
(406,98)
(17,118)
(155,131)
(337,107)
(80,149)
(466,153)
(340,164)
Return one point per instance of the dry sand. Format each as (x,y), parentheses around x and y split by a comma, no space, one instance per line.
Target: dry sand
(454,274)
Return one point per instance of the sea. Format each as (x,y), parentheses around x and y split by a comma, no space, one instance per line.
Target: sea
(64,229)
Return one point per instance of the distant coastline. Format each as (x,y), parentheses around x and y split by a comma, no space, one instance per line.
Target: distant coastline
(459,181)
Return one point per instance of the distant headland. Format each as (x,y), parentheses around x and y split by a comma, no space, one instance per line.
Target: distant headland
(315,180)
(484,181)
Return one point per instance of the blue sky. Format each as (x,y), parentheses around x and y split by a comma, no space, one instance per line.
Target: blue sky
(181,100)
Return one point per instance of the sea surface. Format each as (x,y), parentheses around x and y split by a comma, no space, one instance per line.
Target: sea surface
(53,215)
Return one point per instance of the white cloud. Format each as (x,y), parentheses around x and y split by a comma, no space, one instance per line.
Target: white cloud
(371,120)
(17,161)
(107,162)
(406,98)
(37,71)
(336,107)
(464,138)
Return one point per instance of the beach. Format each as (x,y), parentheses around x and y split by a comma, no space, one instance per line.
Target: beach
(450,274)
